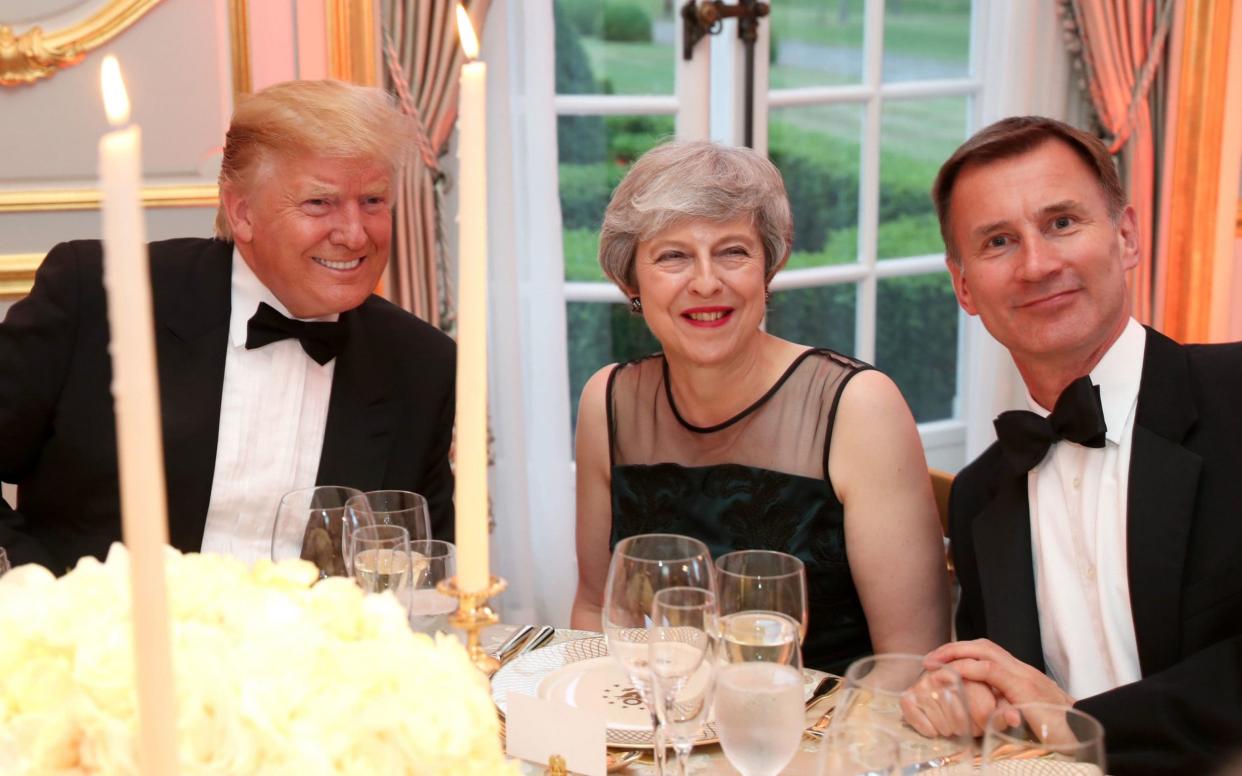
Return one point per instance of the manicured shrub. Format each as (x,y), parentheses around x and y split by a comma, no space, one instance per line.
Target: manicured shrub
(626,23)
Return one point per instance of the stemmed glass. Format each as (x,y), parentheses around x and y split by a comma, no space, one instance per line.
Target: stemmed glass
(901,694)
(434,562)
(4,562)
(857,749)
(1043,738)
(313,524)
(641,566)
(681,643)
(759,691)
(392,507)
(763,581)
(382,561)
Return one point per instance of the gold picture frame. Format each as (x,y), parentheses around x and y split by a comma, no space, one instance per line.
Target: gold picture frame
(34,54)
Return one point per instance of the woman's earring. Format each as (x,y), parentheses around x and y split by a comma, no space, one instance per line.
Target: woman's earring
(767,296)
(636,305)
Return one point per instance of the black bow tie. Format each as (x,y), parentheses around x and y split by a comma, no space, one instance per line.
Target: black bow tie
(1077,417)
(322,340)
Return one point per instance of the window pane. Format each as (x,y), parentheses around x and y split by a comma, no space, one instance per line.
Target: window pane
(821,317)
(816,43)
(816,150)
(601,333)
(916,341)
(916,136)
(926,39)
(596,152)
(614,46)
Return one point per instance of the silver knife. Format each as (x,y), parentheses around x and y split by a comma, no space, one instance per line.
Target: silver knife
(506,650)
(544,635)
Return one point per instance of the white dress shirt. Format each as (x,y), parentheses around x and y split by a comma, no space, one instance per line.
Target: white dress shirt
(273,410)
(1078,537)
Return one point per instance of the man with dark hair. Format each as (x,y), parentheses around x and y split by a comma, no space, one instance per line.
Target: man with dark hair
(279,368)
(1099,541)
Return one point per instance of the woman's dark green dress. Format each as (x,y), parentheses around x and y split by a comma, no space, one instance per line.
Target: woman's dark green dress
(758,481)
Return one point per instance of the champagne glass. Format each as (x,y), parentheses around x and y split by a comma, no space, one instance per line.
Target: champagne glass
(4,562)
(641,566)
(680,644)
(858,749)
(759,691)
(394,507)
(382,560)
(434,562)
(899,693)
(1043,738)
(312,524)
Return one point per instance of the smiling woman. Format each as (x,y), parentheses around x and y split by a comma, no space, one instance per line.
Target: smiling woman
(742,439)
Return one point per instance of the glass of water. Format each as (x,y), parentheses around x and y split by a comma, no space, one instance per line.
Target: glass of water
(381,560)
(858,749)
(434,562)
(759,691)
(681,642)
(1043,738)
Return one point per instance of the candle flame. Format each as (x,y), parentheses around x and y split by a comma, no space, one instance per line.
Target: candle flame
(116,101)
(465,32)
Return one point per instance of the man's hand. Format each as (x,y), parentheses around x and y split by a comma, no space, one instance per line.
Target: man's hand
(1011,680)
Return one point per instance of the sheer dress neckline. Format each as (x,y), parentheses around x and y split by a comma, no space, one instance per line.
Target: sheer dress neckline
(756,404)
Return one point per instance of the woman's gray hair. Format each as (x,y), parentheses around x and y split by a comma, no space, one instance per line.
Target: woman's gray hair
(690,180)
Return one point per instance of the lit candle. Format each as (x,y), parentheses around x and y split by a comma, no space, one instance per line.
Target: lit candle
(135,393)
(471,442)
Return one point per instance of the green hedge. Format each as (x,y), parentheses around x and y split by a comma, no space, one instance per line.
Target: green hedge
(580,138)
(626,23)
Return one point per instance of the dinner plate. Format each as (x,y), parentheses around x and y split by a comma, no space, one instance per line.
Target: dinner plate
(581,674)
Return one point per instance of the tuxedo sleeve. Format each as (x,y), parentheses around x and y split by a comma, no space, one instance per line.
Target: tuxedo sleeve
(969,623)
(437,480)
(1185,719)
(36,344)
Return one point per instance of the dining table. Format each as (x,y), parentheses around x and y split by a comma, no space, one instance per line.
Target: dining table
(705,759)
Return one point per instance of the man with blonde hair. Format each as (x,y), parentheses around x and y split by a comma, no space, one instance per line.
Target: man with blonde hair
(279,368)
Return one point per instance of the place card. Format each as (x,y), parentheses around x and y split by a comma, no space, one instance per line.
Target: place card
(536,729)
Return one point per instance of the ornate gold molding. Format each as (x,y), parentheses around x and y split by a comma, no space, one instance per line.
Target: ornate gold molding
(239,42)
(187,195)
(352,47)
(17,271)
(1200,117)
(36,54)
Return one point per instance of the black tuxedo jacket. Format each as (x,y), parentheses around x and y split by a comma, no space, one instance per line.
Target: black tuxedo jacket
(1184,555)
(389,423)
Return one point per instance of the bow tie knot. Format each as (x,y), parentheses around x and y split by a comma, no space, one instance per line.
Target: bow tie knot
(322,340)
(1077,417)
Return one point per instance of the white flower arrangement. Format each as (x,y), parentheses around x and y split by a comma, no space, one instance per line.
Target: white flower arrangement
(273,676)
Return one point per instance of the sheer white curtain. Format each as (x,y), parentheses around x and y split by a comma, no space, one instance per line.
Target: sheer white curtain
(533,544)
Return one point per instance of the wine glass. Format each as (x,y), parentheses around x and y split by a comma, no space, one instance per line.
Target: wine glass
(382,560)
(312,524)
(857,749)
(434,562)
(923,707)
(391,507)
(763,580)
(1043,738)
(641,566)
(4,562)
(759,691)
(680,644)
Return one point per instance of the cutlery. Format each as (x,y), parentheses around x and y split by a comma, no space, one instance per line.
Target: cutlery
(543,636)
(507,650)
(827,686)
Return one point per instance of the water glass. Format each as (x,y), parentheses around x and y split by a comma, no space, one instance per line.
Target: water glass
(681,649)
(897,692)
(858,749)
(434,562)
(1043,738)
(382,561)
(392,507)
(641,566)
(312,524)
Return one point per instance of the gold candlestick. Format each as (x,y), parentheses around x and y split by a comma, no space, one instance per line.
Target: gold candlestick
(473,614)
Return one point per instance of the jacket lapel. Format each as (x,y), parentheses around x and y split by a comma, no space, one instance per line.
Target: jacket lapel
(192,301)
(1164,478)
(361,412)
(1002,536)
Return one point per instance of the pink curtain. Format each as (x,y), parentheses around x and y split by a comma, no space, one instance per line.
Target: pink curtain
(1122,45)
(422,61)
